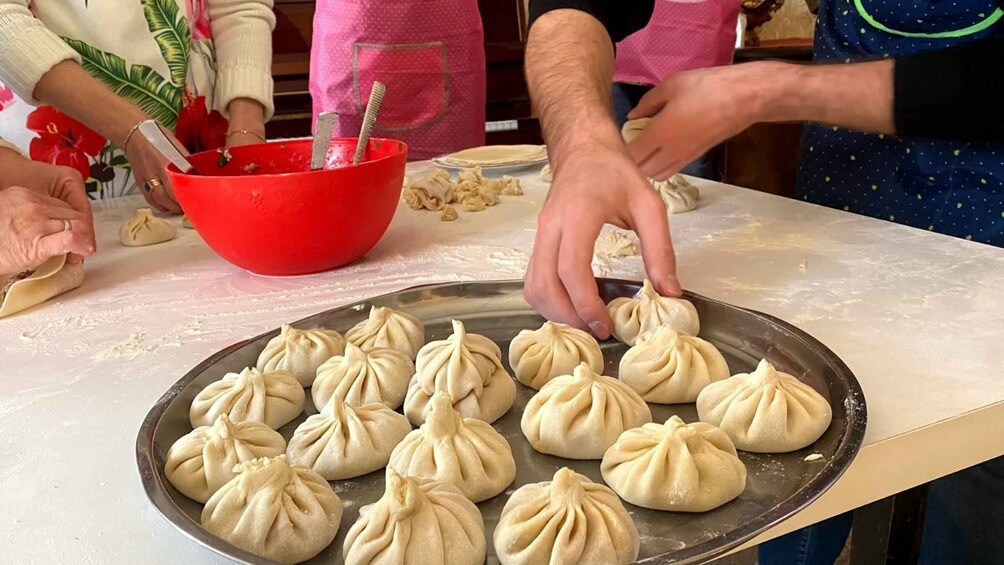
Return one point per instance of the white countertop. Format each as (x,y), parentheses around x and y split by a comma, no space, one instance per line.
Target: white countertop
(917,316)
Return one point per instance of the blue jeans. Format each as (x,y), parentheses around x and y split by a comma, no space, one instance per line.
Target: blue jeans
(626,97)
(964,525)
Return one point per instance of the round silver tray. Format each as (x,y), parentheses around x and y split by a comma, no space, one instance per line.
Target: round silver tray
(777,487)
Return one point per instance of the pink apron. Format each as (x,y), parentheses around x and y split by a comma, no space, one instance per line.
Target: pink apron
(681,35)
(429,53)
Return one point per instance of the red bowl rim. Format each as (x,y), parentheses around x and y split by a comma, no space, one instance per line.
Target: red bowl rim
(173,170)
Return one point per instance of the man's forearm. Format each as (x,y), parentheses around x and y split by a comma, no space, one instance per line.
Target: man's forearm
(569,67)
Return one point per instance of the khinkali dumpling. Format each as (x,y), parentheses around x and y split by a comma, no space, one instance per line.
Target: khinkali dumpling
(417,521)
(146,229)
(274,398)
(391,329)
(633,128)
(300,352)
(203,460)
(765,411)
(567,521)
(579,416)
(345,441)
(466,452)
(286,513)
(361,377)
(469,368)
(668,367)
(648,310)
(677,193)
(675,466)
(537,356)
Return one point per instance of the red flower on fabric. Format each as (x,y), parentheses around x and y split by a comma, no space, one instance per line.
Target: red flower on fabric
(62,140)
(6,97)
(197,13)
(199,129)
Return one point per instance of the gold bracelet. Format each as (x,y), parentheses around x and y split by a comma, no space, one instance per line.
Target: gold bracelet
(128,136)
(249,132)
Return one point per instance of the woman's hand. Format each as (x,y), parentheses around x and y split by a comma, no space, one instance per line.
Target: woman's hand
(35,227)
(148,167)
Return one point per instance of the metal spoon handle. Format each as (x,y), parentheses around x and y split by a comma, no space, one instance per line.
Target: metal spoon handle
(155,135)
(326,122)
(369,119)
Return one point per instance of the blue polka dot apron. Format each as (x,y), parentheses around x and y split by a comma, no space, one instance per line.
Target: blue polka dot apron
(956,188)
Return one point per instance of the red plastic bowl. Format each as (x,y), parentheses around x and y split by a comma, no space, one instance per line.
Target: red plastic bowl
(264,211)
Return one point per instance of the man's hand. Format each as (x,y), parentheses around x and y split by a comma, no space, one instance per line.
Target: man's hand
(598,186)
(51,182)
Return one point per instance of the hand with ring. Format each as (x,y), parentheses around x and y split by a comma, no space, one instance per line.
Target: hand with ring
(148,166)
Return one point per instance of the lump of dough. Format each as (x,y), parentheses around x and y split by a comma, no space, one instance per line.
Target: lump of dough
(449,214)
(579,416)
(286,513)
(633,128)
(613,243)
(469,368)
(146,229)
(432,192)
(202,461)
(668,367)
(510,186)
(677,193)
(345,441)
(765,411)
(389,328)
(475,204)
(363,376)
(30,288)
(300,352)
(537,356)
(546,174)
(417,521)
(186,223)
(567,520)
(251,395)
(675,466)
(647,310)
(466,452)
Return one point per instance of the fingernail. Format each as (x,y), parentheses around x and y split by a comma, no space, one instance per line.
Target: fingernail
(599,330)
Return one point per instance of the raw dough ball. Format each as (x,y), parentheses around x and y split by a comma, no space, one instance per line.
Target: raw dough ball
(537,356)
(545,173)
(432,192)
(391,329)
(417,521)
(286,513)
(579,416)
(675,466)
(466,452)
(765,411)
(647,311)
(146,229)
(345,441)
(667,367)
(30,288)
(361,377)
(252,395)
(633,128)
(567,521)
(677,193)
(300,352)
(468,367)
(202,461)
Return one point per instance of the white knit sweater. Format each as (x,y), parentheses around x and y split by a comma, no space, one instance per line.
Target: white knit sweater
(30,46)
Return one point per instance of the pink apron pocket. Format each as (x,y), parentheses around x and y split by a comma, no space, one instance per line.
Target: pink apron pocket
(416,79)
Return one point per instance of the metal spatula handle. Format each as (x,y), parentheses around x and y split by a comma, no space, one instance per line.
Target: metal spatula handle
(369,119)
(326,122)
(156,136)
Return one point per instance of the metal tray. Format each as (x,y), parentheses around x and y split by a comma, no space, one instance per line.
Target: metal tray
(777,487)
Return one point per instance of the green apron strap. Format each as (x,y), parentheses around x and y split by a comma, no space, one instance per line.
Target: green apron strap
(975,28)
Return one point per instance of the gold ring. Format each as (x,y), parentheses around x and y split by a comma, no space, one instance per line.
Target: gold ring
(67,226)
(153,183)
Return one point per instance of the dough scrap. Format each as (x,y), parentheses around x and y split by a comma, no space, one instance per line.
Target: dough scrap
(465,452)
(146,229)
(647,310)
(30,288)
(675,466)
(668,367)
(203,460)
(493,155)
(546,174)
(567,520)
(286,513)
(765,411)
(449,214)
(432,192)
